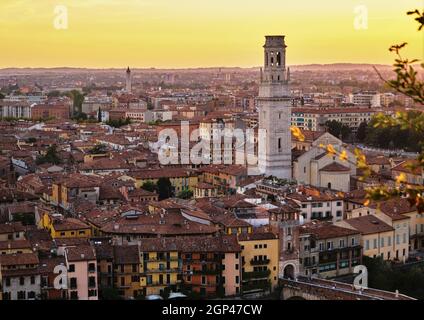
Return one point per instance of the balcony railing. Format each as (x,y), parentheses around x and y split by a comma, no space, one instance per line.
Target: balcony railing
(207,272)
(256,275)
(259,262)
(159,270)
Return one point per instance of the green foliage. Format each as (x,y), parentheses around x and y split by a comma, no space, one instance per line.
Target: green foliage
(77,98)
(99,115)
(26,219)
(149,186)
(110,294)
(51,156)
(54,93)
(31,140)
(98,149)
(338,129)
(361,133)
(185,194)
(118,123)
(408,280)
(165,189)
(405,131)
(79,116)
(2,96)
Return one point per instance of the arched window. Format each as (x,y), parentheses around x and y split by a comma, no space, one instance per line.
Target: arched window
(329,185)
(278,59)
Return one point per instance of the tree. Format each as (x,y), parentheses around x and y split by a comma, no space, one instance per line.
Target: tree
(165,189)
(51,156)
(78,99)
(361,133)
(98,149)
(118,123)
(99,115)
(338,129)
(185,194)
(54,93)
(149,186)
(110,294)
(2,96)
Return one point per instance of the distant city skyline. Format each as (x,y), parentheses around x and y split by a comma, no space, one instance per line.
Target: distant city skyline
(194,34)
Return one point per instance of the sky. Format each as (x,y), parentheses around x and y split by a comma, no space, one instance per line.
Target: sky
(202,33)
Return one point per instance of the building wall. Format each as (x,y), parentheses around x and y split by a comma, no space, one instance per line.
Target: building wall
(257,248)
(27,287)
(232,273)
(82,275)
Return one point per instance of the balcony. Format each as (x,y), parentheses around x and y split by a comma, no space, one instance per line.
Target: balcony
(322,218)
(160,259)
(254,262)
(207,272)
(256,275)
(161,270)
(256,287)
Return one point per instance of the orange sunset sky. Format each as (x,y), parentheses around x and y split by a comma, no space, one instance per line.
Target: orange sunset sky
(201,33)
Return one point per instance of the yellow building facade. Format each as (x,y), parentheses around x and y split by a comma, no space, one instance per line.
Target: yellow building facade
(260,259)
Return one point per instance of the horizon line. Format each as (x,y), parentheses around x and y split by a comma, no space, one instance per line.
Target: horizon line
(205,67)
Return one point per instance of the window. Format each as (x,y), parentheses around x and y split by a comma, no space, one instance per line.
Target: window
(279,144)
(71,268)
(237,279)
(397,239)
(7,282)
(91,267)
(321,246)
(404,238)
(73,283)
(92,293)
(382,242)
(339,203)
(342,243)
(203,280)
(32,280)
(91,282)
(375,243)
(389,241)
(329,245)
(21,295)
(74,295)
(31,295)
(21,281)
(353,241)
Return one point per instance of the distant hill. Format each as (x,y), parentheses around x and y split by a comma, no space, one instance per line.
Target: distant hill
(312,67)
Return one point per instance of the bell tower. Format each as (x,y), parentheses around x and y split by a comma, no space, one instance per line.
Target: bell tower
(128,86)
(274,103)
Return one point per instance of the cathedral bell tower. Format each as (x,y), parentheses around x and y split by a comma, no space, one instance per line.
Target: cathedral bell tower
(274,103)
(128,86)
